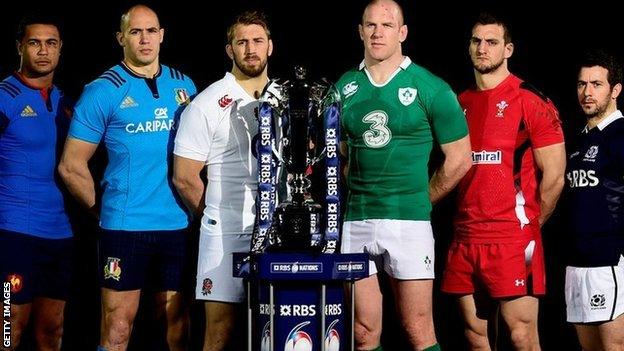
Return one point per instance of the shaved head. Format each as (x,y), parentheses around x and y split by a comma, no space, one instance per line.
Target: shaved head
(125,18)
(388,5)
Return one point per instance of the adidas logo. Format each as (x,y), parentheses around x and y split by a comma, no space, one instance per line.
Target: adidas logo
(28,112)
(128,102)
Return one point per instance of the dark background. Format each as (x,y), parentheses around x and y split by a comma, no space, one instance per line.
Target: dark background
(322,35)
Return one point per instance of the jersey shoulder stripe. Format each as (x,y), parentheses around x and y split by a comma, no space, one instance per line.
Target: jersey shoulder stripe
(113,77)
(10,88)
(175,74)
(116,75)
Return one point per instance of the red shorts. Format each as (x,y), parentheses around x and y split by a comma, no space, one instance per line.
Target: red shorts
(503,270)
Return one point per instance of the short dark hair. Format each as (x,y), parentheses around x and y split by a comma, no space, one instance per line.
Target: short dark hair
(605,60)
(36,18)
(486,18)
(247,18)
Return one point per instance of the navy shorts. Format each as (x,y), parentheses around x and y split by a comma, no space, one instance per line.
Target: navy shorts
(36,267)
(131,260)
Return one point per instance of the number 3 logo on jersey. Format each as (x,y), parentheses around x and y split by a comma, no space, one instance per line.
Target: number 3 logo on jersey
(379,134)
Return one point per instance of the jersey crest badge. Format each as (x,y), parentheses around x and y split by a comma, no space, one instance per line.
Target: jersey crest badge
(16,282)
(182,96)
(112,269)
(207,286)
(501,106)
(28,112)
(427,262)
(591,153)
(225,101)
(407,95)
(350,89)
(128,102)
(597,301)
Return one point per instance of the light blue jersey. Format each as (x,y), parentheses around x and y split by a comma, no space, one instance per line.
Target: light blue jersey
(136,117)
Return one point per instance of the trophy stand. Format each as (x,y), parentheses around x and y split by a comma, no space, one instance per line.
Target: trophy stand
(295,280)
(296,301)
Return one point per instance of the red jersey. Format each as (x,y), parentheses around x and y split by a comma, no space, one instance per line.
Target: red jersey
(499,197)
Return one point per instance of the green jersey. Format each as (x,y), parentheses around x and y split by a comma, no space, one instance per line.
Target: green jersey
(389,129)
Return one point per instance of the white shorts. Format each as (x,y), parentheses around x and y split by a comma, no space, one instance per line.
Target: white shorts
(594,294)
(404,249)
(214,267)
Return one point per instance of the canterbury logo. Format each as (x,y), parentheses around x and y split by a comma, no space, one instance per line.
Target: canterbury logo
(28,112)
(128,102)
(225,101)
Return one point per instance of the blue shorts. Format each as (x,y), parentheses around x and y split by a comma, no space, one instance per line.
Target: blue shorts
(131,260)
(36,267)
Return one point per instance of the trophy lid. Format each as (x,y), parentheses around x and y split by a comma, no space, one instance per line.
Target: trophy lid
(300,73)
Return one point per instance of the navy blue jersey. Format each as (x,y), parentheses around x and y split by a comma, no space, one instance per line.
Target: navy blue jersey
(32,133)
(135,117)
(595,194)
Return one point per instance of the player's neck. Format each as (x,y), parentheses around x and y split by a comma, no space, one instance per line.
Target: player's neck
(595,120)
(148,71)
(36,81)
(492,79)
(381,71)
(252,85)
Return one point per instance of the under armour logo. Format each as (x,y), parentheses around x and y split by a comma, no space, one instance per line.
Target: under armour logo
(519,282)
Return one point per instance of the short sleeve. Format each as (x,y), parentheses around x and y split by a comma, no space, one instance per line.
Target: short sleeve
(447,119)
(542,122)
(194,138)
(91,115)
(192,89)
(4,117)
(616,149)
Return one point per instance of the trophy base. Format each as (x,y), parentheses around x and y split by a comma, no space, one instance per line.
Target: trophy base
(297,228)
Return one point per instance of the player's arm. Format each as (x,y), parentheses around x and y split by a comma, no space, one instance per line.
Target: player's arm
(344,164)
(544,127)
(4,121)
(74,170)
(551,160)
(457,161)
(188,182)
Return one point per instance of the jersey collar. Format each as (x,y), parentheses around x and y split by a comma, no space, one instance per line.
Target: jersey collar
(229,76)
(406,62)
(605,122)
(403,66)
(136,74)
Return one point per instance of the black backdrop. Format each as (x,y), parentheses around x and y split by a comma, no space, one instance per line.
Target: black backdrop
(322,35)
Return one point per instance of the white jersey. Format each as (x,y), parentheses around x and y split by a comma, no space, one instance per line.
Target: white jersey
(218,127)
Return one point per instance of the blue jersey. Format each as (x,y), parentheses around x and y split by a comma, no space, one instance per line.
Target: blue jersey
(595,195)
(32,133)
(135,116)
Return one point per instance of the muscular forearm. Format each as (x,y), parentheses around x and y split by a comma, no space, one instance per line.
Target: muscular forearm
(191,190)
(550,189)
(445,179)
(457,161)
(551,160)
(79,182)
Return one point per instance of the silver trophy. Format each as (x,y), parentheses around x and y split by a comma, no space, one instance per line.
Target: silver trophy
(299,134)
